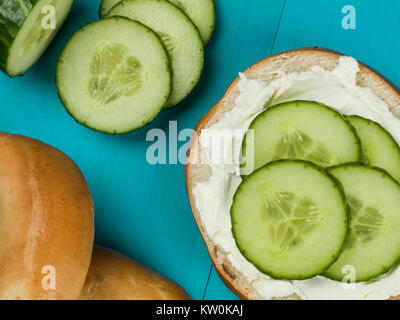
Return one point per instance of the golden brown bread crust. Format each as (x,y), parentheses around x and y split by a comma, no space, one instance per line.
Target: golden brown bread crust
(291,61)
(114,277)
(46,219)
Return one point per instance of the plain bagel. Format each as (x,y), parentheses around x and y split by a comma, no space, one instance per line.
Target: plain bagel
(300,60)
(46,222)
(113,276)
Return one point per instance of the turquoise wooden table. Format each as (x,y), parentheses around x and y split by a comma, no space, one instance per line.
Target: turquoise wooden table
(142,209)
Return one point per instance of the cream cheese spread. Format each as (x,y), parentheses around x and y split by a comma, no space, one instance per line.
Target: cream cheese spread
(213,198)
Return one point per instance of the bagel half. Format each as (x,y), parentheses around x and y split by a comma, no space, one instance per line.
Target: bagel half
(299,60)
(46,222)
(114,277)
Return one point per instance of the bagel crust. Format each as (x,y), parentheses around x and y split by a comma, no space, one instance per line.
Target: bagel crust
(114,277)
(299,60)
(46,222)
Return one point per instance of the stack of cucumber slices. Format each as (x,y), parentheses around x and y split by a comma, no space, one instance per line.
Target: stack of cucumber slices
(117,74)
(323,197)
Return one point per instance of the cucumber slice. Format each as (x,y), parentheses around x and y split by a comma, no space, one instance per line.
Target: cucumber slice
(290,219)
(201,12)
(180,36)
(379,149)
(108,82)
(106,6)
(25,32)
(374,244)
(303,130)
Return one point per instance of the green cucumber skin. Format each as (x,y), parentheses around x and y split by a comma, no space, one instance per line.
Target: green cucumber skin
(214,23)
(20,11)
(87,125)
(195,81)
(103,14)
(205,41)
(345,205)
(288,103)
(381,129)
(385,269)
(10,25)
(9,29)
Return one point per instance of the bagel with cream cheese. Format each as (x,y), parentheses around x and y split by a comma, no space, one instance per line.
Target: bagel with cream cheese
(266,71)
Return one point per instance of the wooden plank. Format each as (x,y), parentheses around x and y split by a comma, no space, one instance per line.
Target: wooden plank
(244,34)
(141,210)
(216,289)
(319,23)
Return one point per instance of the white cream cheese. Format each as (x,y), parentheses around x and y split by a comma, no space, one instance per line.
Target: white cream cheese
(213,198)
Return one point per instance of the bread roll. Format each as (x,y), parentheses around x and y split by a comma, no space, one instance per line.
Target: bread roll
(300,60)
(115,277)
(46,222)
